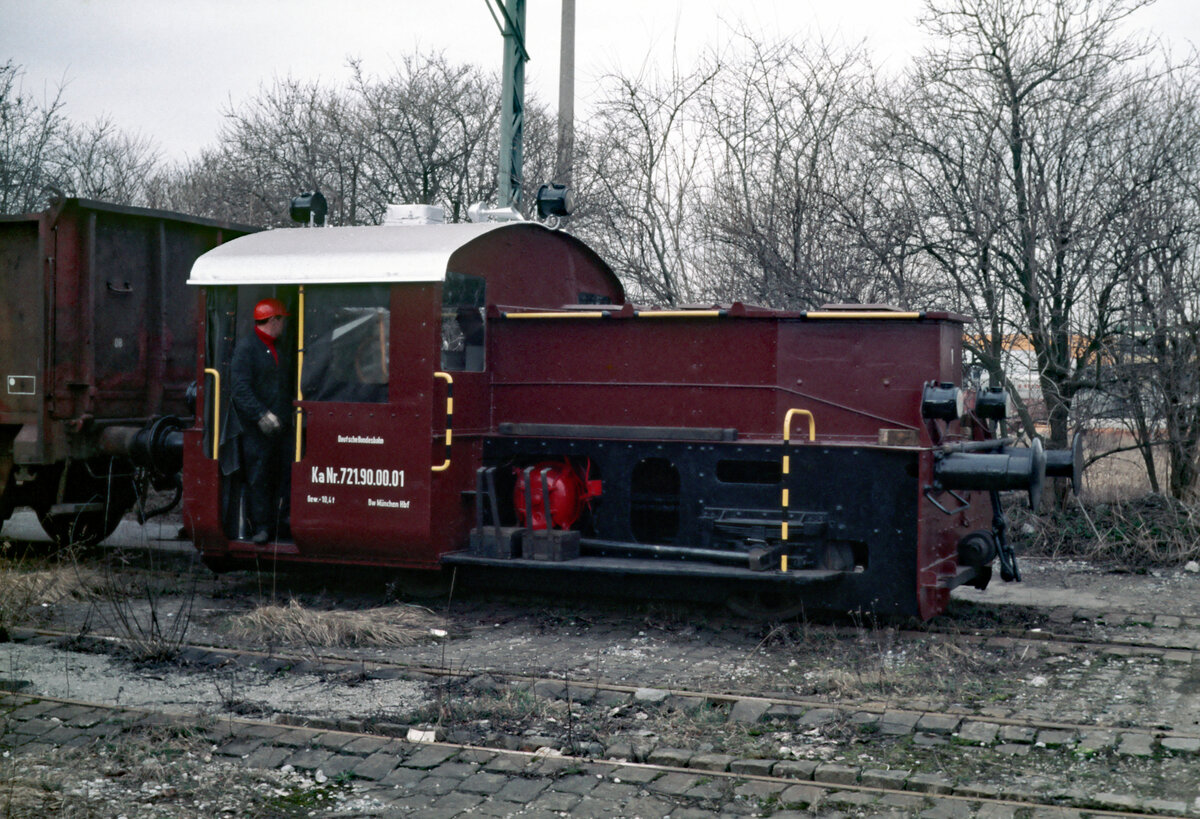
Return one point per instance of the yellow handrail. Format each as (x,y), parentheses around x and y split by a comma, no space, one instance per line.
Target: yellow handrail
(449,417)
(678,313)
(216,447)
(787,424)
(299,371)
(785,470)
(861,314)
(565,314)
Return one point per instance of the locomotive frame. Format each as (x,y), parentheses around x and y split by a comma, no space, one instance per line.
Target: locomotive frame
(482,396)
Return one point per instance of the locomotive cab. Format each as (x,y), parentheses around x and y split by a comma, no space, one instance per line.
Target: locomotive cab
(387,345)
(482,396)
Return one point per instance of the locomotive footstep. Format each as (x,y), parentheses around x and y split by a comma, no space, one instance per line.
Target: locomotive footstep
(766,605)
(420,585)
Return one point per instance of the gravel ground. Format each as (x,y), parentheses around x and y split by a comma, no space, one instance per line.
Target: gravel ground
(72,675)
(659,645)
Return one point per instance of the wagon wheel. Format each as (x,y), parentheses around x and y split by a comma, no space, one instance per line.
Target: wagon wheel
(765,605)
(92,503)
(8,488)
(7,499)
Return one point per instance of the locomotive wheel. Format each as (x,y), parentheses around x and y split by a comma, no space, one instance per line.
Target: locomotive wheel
(766,605)
(106,499)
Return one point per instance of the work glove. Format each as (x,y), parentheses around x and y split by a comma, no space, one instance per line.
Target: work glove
(269,424)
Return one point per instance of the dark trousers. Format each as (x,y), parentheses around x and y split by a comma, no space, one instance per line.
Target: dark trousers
(267,464)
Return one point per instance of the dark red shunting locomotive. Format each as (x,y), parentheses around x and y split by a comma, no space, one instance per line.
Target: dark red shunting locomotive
(482,396)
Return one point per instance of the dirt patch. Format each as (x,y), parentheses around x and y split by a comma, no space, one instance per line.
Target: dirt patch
(1049,583)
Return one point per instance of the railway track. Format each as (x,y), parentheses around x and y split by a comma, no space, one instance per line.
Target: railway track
(387,769)
(1080,625)
(559,686)
(627,681)
(894,741)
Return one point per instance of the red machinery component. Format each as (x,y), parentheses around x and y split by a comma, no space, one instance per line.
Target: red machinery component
(569,493)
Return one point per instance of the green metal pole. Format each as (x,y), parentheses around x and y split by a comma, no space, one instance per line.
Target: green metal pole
(512,104)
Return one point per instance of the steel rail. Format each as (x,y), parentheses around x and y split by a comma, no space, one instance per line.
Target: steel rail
(727,697)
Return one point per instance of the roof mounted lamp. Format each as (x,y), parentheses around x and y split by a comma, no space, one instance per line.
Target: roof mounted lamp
(993,404)
(554,202)
(942,401)
(310,209)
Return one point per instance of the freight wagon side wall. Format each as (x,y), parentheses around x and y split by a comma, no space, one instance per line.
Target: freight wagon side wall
(22,330)
(97,323)
(123,342)
(21,321)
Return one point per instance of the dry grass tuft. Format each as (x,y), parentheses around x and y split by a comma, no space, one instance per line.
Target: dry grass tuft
(295,625)
(1133,533)
(50,585)
(21,589)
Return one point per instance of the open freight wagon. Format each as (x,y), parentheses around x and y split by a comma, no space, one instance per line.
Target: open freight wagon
(97,343)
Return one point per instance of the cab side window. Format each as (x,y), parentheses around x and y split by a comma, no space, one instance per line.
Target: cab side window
(346,335)
(463,324)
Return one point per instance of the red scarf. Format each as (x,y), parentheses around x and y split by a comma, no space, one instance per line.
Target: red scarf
(270,342)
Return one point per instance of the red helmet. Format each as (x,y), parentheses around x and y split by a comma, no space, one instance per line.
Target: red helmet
(269,307)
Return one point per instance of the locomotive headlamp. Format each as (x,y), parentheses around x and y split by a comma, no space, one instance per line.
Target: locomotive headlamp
(310,208)
(941,401)
(993,404)
(554,200)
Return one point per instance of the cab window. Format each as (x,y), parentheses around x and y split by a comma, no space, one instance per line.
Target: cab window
(463,324)
(346,332)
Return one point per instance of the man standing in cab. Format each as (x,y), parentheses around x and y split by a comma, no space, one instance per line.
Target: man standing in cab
(262,403)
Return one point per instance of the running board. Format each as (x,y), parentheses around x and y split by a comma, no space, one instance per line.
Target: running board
(643,566)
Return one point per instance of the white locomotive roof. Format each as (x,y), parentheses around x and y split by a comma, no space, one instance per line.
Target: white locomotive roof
(412,253)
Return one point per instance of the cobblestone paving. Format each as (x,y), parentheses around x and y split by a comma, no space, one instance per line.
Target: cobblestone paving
(982,741)
(1118,710)
(390,777)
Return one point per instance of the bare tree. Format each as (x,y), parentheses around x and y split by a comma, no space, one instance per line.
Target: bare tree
(423,135)
(1151,369)
(791,216)
(29,138)
(1005,138)
(430,134)
(99,161)
(640,169)
(43,154)
(292,137)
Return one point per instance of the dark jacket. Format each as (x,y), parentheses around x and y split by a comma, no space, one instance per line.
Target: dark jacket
(259,384)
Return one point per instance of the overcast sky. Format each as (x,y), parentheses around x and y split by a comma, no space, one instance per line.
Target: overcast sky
(167,68)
